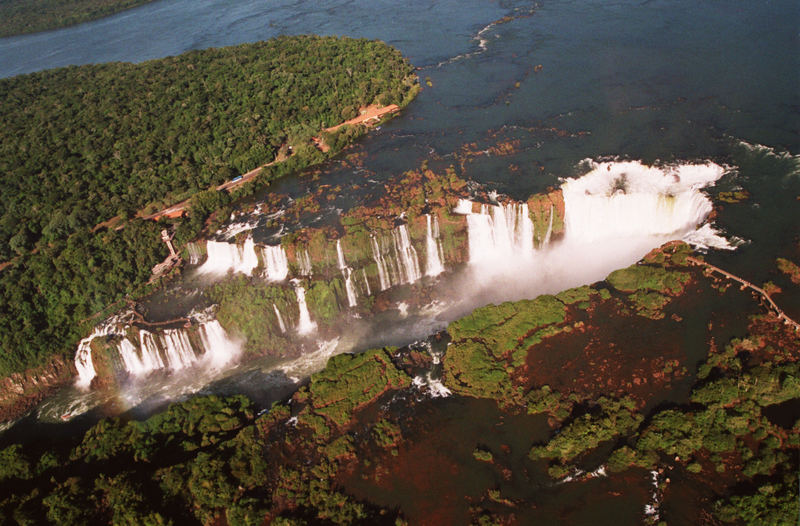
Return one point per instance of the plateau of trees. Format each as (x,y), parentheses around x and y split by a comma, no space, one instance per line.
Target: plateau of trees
(31,16)
(82,145)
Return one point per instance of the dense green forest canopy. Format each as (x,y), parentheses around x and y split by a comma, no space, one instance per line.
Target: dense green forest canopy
(30,16)
(80,145)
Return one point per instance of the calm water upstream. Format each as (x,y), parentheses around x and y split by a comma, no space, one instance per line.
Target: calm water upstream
(650,80)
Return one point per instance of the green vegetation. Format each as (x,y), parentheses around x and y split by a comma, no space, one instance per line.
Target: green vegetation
(352,380)
(736,196)
(790,269)
(608,419)
(210,460)
(48,299)
(482,454)
(83,145)
(30,16)
(246,308)
(491,341)
(648,278)
(138,472)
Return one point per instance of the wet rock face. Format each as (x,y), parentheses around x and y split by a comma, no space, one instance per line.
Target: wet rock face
(21,391)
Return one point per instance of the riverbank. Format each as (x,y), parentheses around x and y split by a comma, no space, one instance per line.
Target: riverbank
(521,399)
(147,159)
(33,16)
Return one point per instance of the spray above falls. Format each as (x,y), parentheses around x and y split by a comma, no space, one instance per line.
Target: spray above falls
(624,199)
(614,201)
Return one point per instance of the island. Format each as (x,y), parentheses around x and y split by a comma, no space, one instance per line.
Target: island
(18,17)
(89,152)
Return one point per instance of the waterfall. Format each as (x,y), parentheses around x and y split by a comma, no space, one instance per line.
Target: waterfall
(499,233)
(383,271)
(130,358)
(276,265)
(151,356)
(625,199)
(366,281)
(433,247)
(83,355)
(83,362)
(406,255)
(178,349)
(396,258)
(218,348)
(174,350)
(305,325)
(304,263)
(195,255)
(549,227)
(464,207)
(347,272)
(224,257)
(280,318)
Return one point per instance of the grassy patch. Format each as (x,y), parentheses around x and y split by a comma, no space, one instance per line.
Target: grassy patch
(644,278)
(352,380)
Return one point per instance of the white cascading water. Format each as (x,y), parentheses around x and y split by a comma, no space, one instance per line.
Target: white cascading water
(406,255)
(366,282)
(396,258)
(224,257)
(218,348)
(549,227)
(464,207)
(433,247)
(276,264)
(347,273)
(172,349)
(195,255)
(304,263)
(628,199)
(498,233)
(383,269)
(83,362)
(83,355)
(305,325)
(150,354)
(178,349)
(280,318)
(129,354)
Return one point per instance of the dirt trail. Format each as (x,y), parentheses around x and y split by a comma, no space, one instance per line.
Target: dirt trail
(370,113)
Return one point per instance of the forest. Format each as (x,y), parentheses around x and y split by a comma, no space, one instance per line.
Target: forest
(30,16)
(213,460)
(82,145)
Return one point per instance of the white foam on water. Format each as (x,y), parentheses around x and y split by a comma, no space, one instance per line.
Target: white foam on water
(309,363)
(433,387)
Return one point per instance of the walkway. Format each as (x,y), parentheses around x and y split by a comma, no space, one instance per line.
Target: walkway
(781,315)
